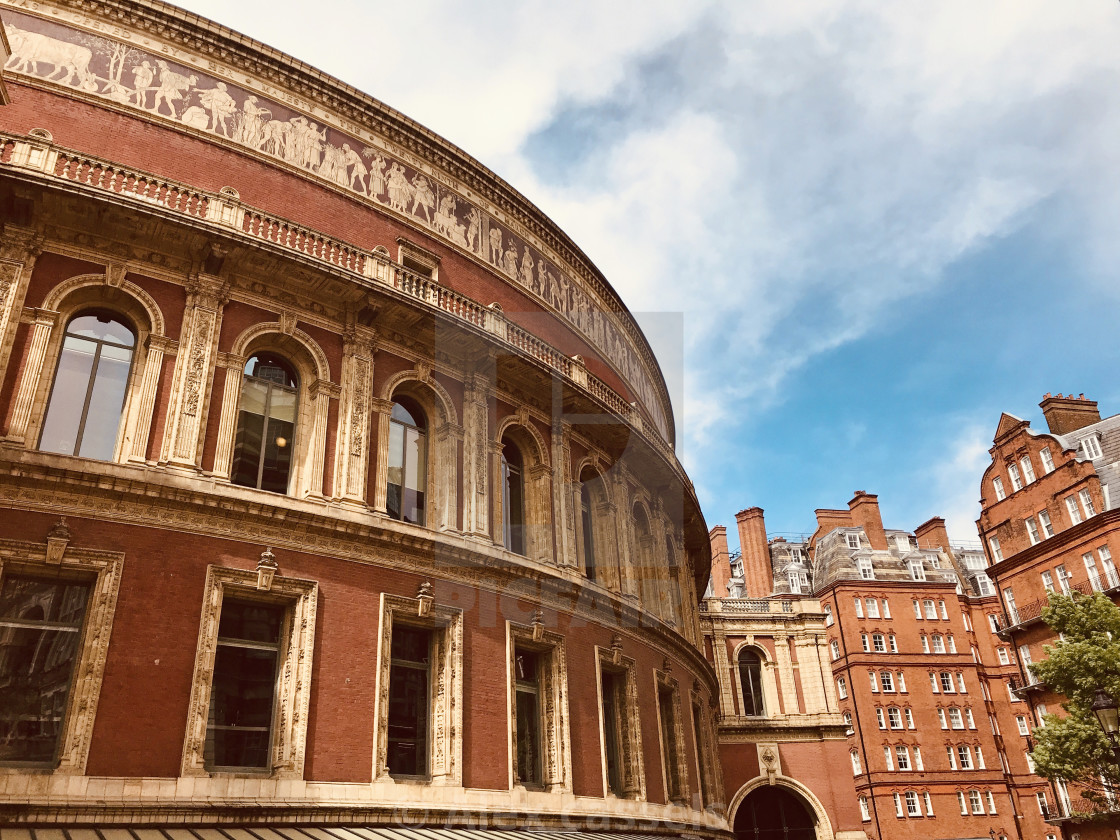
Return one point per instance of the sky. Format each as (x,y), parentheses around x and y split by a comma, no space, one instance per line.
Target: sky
(856,231)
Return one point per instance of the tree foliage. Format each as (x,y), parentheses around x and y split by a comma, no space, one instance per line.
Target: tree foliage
(1073,747)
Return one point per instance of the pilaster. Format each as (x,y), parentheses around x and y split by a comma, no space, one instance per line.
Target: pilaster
(140,421)
(19,249)
(723,674)
(43,322)
(352,442)
(785,672)
(565,501)
(381,409)
(476,455)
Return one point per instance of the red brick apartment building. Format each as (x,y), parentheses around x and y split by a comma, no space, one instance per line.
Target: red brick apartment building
(920,677)
(1048,525)
(337,487)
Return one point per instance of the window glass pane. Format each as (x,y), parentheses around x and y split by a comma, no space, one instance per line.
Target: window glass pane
(106,401)
(36,663)
(266,425)
(277,456)
(612,689)
(101,328)
(513,510)
(408,701)
(71,384)
(395,470)
(528,713)
(415,472)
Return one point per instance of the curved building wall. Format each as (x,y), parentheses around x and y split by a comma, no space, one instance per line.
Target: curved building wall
(299,473)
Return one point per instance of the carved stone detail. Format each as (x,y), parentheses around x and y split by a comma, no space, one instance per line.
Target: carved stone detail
(294,674)
(675,764)
(628,726)
(556,758)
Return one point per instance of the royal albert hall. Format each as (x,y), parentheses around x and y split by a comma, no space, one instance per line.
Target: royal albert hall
(338,494)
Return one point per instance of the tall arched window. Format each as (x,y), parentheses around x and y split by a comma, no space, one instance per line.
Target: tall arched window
(750,676)
(84,412)
(408,462)
(266,423)
(587,522)
(513,497)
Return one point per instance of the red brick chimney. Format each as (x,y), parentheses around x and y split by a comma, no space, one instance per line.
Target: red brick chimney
(758,575)
(932,534)
(1068,414)
(721,561)
(865,513)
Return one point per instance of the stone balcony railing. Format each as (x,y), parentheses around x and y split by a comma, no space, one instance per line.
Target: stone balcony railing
(37,154)
(757,606)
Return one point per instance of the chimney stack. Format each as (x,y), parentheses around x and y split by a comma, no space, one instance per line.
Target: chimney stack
(721,561)
(758,575)
(932,534)
(865,513)
(1068,414)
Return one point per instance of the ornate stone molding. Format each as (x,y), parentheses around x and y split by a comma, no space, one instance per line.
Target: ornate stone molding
(556,761)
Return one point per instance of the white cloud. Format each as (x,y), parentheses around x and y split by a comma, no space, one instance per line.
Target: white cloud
(955,478)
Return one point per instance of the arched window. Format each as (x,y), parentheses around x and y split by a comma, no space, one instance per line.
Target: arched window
(750,675)
(266,422)
(84,412)
(408,462)
(513,497)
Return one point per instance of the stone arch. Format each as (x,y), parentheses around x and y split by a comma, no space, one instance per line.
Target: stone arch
(537,484)
(443,444)
(106,291)
(272,333)
(315,392)
(769,676)
(823,827)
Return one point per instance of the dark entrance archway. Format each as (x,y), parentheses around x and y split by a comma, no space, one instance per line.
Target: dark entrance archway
(774,813)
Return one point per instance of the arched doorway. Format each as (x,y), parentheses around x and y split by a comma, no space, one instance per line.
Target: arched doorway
(772,812)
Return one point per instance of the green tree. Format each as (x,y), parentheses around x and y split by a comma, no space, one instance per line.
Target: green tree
(1073,747)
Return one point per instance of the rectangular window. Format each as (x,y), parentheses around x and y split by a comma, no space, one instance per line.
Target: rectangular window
(929,803)
(964,757)
(951,753)
(879,643)
(917,570)
(960,683)
(917,609)
(834,648)
(902,757)
(944,611)
(1109,567)
(909,719)
(874,681)
(898,812)
(1016,478)
(1073,510)
(527,666)
(888,757)
(409,689)
(1047,460)
(879,717)
(963,803)
(925,643)
(991,803)
(1091,447)
(1063,579)
(841,688)
(952,644)
(1027,468)
(872,608)
(866,570)
(859,607)
(956,719)
(1087,502)
(886,680)
(930,608)
(980,759)
(1021,722)
(864,642)
(1091,569)
(1032,530)
(886,608)
(864,811)
(938,644)
(918,758)
(1047,581)
(933,682)
(1043,807)
(828,615)
(997,485)
(901,682)
(40,629)
(855,763)
(853,540)
(941,717)
(893,643)
(972,722)
(1047,525)
(672,738)
(621,735)
(997,555)
(967,622)
(895,717)
(1009,601)
(976,802)
(946,682)
(913,806)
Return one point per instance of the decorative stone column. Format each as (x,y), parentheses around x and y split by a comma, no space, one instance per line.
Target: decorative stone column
(19,249)
(628,585)
(139,423)
(604,525)
(785,669)
(43,322)
(231,398)
(381,409)
(320,393)
(476,456)
(723,674)
(352,441)
(194,370)
(443,451)
(565,496)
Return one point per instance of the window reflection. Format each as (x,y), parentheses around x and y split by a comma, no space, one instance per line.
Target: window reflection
(87,398)
(408,462)
(513,498)
(262,455)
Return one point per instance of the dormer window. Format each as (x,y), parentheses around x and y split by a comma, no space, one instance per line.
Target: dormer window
(1091,446)
(866,571)
(917,570)
(853,540)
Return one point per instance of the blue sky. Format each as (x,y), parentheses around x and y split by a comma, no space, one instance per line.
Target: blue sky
(879,224)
